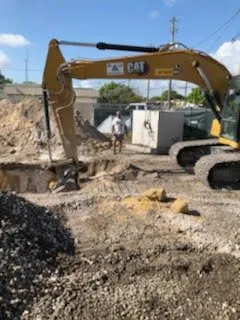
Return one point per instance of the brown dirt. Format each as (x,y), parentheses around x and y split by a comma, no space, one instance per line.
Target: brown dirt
(147,264)
(20,123)
(131,266)
(22,126)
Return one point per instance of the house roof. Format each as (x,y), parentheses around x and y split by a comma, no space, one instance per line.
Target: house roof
(30,90)
(86,92)
(9,89)
(36,90)
(84,100)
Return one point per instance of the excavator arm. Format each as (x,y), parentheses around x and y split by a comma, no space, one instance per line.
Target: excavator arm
(165,62)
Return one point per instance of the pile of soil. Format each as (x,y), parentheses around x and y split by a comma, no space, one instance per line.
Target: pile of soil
(22,128)
(31,240)
(22,124)
(90,140)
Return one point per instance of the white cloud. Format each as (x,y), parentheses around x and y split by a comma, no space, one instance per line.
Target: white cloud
(154,14)
(87,84)
(169,3)
(228,54)
(4,60)
(13,40)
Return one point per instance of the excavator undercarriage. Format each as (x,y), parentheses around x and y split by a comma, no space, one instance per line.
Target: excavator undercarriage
(215,165)
(220,170)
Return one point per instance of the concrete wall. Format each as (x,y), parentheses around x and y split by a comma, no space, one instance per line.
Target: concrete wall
(158,130)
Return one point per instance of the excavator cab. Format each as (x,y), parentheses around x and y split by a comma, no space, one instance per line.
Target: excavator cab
(230,123)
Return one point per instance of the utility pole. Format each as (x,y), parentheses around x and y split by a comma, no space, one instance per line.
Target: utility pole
(148,90)
(173,31)
(186,89)
(26,67)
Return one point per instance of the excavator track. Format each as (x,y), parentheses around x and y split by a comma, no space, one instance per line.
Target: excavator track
(219,170)
(187,153)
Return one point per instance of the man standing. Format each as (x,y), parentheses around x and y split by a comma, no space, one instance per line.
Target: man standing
(118,129)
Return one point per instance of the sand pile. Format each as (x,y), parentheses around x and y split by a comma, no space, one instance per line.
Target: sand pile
(22,127)
(153,199)
(22,124)
(31,239)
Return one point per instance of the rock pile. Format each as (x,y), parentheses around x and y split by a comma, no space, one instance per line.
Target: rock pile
(31,239)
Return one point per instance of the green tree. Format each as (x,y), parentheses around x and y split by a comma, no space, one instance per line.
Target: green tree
(155,98)
(117,93)
(3,81)
(174,95)
(196,96)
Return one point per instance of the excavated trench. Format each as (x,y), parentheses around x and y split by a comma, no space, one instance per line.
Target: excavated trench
(35,178)
(22,178)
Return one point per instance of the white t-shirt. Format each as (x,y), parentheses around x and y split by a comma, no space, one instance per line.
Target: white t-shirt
(118,125)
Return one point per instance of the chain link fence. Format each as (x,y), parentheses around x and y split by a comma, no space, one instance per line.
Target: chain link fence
(197,121)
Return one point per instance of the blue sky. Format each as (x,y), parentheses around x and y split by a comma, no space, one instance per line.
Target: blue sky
(142,22)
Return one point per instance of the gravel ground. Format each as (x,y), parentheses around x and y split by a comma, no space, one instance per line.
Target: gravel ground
(31,239)
(154,265)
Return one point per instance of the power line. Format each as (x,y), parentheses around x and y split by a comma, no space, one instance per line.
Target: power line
(26,66)
(218,38)
(219,29)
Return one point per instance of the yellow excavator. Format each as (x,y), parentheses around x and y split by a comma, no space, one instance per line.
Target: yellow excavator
(216,161)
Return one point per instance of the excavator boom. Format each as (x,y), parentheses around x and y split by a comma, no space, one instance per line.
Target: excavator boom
(166,62)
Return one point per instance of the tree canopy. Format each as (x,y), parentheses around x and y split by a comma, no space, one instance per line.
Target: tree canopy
(155,98)
(196,96)
(117,93)
(4,80)
(174,95)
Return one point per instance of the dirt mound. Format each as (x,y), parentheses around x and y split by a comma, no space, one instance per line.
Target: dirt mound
(31,239)
(22,127)
(22,124)
(90,140)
